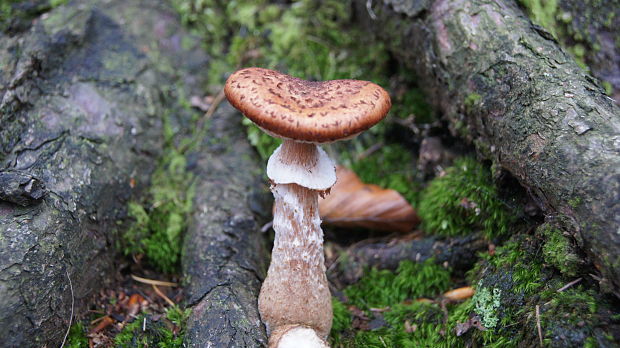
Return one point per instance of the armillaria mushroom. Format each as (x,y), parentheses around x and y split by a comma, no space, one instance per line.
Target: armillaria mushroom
(295,296)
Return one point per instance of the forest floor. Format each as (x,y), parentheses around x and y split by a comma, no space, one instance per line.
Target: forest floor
(525,276)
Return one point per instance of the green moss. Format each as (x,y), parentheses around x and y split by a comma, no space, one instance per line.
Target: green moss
(305,38)
(422,324)
(341,323)
(342,317)
(543,13)
(569,317)
(159,224)
(391,166)
(609,88)
(462,201)
(412,101)
(558,251)
(471,100)
(146,332)
(77,336)
(380,288)
(264,144)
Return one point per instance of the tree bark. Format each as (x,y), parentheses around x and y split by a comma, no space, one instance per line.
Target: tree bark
(458,253)
(224,257)
(80,129)
(507,87)
(591,29)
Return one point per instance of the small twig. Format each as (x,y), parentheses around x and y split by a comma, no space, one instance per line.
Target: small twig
(540,337)
(371,13)
(266,226)
(64,340)
(93,322)
(569,285)
(162,295)
(216,102)
(144,323)
(369,151)
(152,281)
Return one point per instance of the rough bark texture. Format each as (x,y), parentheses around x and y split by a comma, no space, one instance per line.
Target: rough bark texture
(505,85)
(595,26)
(80,128)
(224,259)
(458,253)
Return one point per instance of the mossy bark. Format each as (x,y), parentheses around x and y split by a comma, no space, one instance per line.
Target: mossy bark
(590,30)
(460,253)
(81,110)
(507,87)
(224,257)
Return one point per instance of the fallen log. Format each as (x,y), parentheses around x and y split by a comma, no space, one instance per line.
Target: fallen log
(82,102)
(460,254)
(224,257)
(505,85)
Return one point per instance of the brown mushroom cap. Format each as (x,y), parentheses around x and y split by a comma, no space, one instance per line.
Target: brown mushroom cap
(309,111)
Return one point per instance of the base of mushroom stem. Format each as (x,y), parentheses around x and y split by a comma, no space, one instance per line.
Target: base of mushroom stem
(296,336)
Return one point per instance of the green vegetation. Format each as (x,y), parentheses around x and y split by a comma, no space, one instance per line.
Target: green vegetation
(158,226)
(573,33)
(391,166)
(543,13)
(22,10)
(558,251)
(463,201)
(264,144)
(471,100)
(156,333)
(284,36)
(77,336)
(410,281)
(407,322)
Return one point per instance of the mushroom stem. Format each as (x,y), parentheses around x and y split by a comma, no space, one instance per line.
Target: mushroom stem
(298,153)
(295,291)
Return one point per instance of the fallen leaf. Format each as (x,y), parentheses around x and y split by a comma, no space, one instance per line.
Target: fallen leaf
(352,203)
(459,294)
(134,304)
(473,322)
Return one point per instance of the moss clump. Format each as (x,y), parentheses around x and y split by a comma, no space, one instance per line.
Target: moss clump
(462,201)
(471,100)
(158,226)
(407,323)
(342,317)
(77,336)
(264,144)
(380,288)
(514,280)
(569,318)
(12,11)
(308,39)
(156,333)
(558,251)
(391,166)
(522,268)
(543,13)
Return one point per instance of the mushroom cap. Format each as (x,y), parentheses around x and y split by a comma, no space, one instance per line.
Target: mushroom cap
(309,111)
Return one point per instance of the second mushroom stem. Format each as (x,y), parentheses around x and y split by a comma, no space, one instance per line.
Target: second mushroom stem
(295,291)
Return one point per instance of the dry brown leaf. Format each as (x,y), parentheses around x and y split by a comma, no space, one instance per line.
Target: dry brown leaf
(459,294)
(351,203)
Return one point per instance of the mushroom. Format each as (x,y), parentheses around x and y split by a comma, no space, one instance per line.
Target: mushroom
(295,294)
